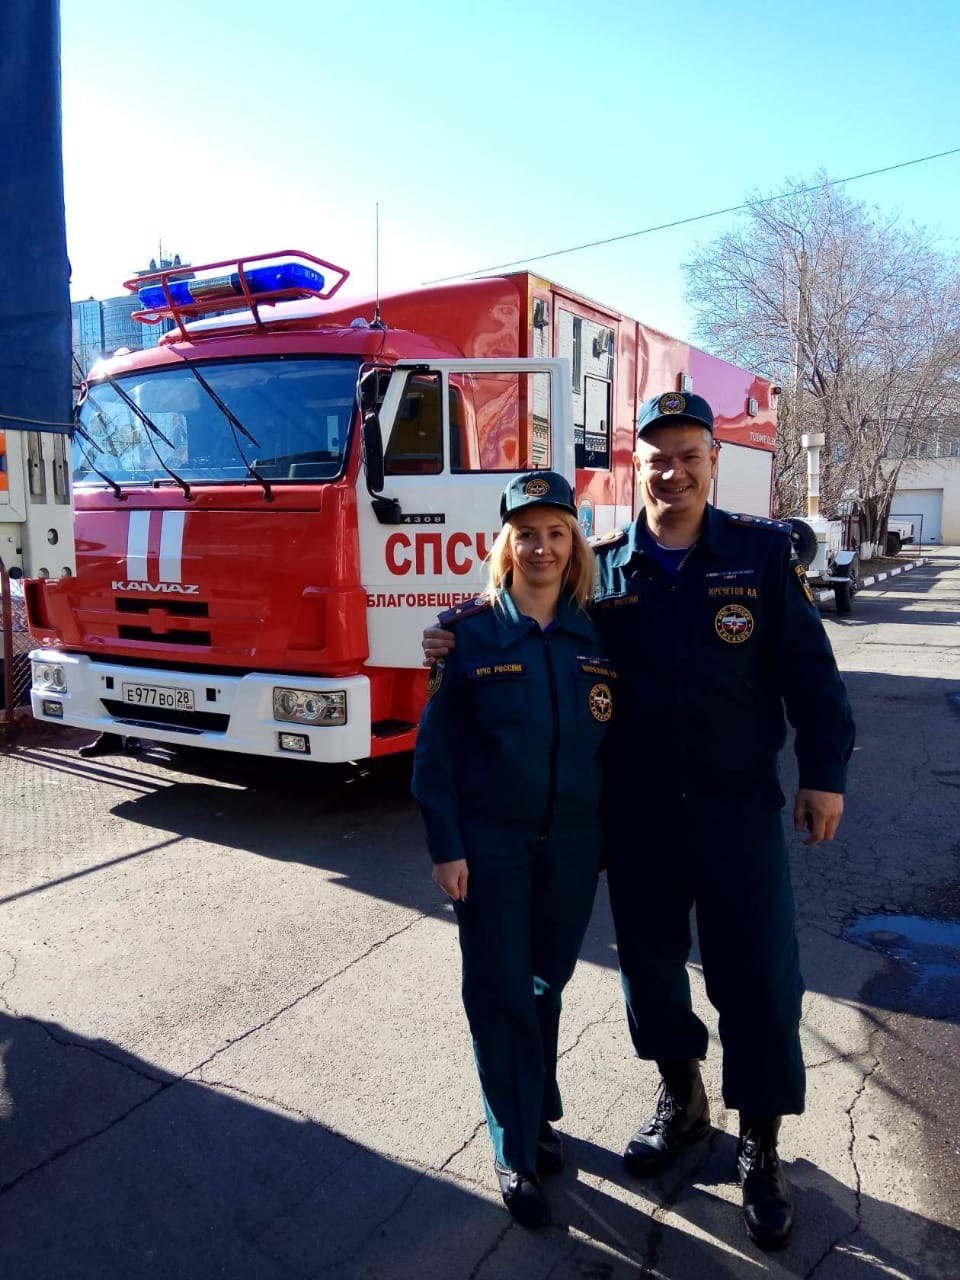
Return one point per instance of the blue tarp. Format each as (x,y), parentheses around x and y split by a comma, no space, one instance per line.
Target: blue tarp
(35,375)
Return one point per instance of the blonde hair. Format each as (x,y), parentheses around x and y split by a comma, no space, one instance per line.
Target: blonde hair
(579,581)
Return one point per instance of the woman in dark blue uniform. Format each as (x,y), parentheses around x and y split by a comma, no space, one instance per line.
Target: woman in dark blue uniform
(508,775)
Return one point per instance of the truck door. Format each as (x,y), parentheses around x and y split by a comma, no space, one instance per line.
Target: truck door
(453,433)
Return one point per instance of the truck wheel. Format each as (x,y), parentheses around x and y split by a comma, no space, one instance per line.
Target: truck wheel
(843,595)
(893,544)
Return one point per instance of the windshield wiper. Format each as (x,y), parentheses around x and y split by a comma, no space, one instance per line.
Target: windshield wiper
(153,429)
(80,430)
(236,427)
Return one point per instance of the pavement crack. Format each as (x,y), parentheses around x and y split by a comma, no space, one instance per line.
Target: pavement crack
(857,1182)
(87,1137)
(161,1078)
(376,1228)
(227,1087)
(317,986)
(164,1084)
(463,1146)
(588,1026)
(650,1263)
(9,955)
(485,1257)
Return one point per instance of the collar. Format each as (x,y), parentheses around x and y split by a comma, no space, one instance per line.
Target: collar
(714,535)
(512,625)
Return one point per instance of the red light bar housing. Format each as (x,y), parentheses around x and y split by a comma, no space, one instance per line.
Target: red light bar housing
(233,289)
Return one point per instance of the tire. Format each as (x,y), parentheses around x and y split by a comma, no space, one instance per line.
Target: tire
(893,544)
(843,596)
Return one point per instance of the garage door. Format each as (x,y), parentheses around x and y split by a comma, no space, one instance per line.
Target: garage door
(921,502)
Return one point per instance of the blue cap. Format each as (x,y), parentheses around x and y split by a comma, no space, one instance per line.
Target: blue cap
(675,409)
(536,488)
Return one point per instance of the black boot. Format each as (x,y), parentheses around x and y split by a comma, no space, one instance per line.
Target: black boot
(522,1196)
(682,1116)
(550,1157)
(767,1203)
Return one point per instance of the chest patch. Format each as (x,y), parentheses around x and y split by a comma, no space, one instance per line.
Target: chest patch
(596,667)
(734,623)
(733,590)
(600,702)
(498,671)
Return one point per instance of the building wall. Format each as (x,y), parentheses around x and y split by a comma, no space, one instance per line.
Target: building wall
(937,473)
(87,342)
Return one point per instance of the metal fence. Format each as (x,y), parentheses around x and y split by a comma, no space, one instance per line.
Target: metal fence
(14,665)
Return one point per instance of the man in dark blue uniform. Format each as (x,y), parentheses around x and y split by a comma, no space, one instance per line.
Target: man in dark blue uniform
(708,619)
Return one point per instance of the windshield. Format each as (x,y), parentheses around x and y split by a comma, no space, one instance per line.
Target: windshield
(298,411)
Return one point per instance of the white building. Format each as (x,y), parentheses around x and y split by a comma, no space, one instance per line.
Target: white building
(930,488)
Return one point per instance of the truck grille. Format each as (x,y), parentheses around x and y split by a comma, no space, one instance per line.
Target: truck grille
(172,609)
(166,637)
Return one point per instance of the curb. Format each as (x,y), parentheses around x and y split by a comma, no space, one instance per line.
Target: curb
(827,594)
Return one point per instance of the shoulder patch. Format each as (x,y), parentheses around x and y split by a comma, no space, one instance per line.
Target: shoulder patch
(436,678)
(758,522)
(611,539)
(468,609)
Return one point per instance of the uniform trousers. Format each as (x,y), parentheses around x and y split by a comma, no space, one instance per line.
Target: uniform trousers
(527,909)
(725,857)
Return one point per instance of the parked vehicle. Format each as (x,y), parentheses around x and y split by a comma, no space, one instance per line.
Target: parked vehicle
(900,533)
(272,503)
(830,563)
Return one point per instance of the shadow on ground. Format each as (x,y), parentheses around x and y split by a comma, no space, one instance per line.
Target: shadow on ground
(110,1171)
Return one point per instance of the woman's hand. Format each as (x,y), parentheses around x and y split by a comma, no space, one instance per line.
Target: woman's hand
(452,878)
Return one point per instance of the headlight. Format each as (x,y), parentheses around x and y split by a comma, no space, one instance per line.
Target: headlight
(304,706)
(49,675)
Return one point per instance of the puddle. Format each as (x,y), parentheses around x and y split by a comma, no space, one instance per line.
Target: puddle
(930,949)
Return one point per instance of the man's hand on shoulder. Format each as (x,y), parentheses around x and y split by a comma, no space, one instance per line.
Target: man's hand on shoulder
(819,813)
(437,643)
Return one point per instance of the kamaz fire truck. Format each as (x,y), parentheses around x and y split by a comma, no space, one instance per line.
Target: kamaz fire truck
(273,502)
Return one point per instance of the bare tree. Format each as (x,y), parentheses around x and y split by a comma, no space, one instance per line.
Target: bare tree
(856,317)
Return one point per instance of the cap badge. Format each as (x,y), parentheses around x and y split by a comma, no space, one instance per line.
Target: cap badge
(672,402)
(600,702)
(536,488)
(734,623)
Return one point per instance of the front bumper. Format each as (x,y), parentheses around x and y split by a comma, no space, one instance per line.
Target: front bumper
(231,713)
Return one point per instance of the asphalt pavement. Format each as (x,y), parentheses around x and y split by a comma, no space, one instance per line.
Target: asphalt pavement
(231,1042)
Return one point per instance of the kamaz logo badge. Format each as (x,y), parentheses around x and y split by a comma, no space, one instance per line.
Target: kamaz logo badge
(159,588)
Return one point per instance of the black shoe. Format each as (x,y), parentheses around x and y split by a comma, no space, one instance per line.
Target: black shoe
(108,744)
(550,1157)
(768,1209)
(682,1117)
(523,1197)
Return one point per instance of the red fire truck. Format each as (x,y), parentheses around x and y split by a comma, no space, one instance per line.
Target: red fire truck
(273,502)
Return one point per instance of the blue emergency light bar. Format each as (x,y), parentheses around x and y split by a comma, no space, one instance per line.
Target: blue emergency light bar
(234,284)
(259,280)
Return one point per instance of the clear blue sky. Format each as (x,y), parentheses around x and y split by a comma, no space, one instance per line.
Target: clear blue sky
(489,131)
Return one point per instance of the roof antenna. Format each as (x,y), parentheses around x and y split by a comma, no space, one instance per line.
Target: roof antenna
(376,322)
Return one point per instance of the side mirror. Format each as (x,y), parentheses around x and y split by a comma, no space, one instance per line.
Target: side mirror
(372,451)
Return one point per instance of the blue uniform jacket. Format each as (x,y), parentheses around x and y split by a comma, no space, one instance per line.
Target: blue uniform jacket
(709,659)
(512,732)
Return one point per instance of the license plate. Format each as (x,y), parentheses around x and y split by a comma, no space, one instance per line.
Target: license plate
(158,695)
